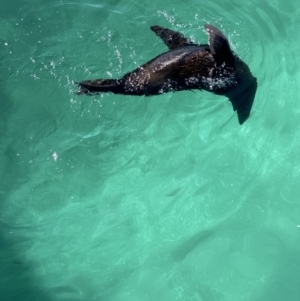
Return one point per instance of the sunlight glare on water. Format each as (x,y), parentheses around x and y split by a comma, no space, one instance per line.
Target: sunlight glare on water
(112,197)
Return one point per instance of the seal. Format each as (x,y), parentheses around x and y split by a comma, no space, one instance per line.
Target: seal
(212,67)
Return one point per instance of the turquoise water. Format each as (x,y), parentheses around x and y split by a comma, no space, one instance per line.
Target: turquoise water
(161,198)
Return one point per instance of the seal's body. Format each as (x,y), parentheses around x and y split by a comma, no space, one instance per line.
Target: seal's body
(187,66)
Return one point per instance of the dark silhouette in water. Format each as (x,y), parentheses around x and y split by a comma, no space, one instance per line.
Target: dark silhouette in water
(187,66)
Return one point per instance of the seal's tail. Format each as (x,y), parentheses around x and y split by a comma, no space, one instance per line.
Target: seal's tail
(100,85)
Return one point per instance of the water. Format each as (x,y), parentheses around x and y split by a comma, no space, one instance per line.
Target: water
(131,198)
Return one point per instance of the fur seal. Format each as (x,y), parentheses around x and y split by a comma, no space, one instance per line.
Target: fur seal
(186,66)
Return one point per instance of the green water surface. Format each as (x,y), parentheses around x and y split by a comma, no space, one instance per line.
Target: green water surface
(116,198)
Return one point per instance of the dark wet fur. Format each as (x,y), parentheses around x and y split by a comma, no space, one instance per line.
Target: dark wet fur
(187,66)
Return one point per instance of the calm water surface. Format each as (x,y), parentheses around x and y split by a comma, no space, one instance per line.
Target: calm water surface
(119,198)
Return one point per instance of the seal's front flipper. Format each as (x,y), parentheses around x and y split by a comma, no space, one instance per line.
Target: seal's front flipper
(171,38)
(242,99)
(219,46)
(100,85)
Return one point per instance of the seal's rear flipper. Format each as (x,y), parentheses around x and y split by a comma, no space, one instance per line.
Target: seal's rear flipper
(219,46)
(100,85)
(242,99)
(171,38)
